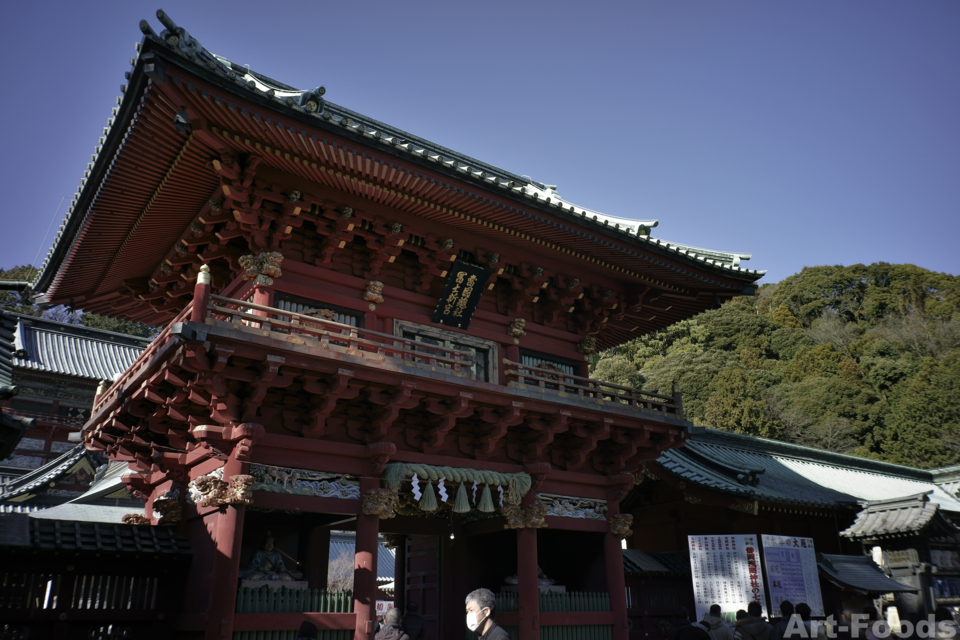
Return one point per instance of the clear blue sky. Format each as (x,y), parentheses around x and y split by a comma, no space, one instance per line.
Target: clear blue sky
(804,132)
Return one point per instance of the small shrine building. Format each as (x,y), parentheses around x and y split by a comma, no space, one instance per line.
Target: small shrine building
(365,331)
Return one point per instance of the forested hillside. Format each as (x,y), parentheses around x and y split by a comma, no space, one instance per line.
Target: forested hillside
(861,359)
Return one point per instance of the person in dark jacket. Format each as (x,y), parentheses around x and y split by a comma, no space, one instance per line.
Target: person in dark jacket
(682,629)
(780,628)
(307,631)
(717,626)
(391,627)
(413,623)
(481,607)
(754,627)
(741,615)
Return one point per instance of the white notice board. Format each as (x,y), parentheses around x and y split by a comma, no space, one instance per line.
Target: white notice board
(726,571)
(791,565)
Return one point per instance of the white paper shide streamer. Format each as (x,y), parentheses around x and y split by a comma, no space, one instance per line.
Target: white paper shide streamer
(416,487)
(443,490)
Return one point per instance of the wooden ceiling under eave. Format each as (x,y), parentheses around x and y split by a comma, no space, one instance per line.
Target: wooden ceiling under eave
(157,182)
(355,168)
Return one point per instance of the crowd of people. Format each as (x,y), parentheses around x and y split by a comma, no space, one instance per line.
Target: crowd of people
(795,622)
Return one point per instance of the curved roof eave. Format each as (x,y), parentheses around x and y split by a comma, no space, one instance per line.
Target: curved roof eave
(308,104)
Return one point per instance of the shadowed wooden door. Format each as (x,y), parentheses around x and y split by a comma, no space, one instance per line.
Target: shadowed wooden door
(423,581)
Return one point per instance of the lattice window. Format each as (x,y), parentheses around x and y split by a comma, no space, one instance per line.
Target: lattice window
(484,352)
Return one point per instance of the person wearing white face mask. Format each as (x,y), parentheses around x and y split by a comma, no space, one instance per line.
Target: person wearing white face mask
(481,610)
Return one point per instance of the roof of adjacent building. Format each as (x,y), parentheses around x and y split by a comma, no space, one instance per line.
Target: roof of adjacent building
(107,483)
(20,531)
(346,542)
(104,514)
(637,562)
(43,478)
(12,427)
(911,515)
(858,573)
(307,107)
(73,350)
(8,325)
(783,473)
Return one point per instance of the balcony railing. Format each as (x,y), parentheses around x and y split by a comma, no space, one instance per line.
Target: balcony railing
(142,361)
(564,384)
(329,333)
(251,318)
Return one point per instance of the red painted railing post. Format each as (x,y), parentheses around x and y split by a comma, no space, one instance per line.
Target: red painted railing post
(529,587)
(365,568)
(201,295)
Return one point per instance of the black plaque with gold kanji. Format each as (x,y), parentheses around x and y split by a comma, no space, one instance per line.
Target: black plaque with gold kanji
(461,295)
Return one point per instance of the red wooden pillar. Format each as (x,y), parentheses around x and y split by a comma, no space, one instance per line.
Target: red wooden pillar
(616,583)
(226,563)
(529,588)
(365,568)
(315,552)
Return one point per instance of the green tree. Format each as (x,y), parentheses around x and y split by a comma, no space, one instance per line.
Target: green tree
(736,404)
(620,370)
(16,301)
(923,427)
(857,359)
(129,327)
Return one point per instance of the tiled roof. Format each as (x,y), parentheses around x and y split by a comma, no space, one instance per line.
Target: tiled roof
(783,473)
(858,573)
(86,513)
(59,535)
(636,561)
(8,325)
(74,350)
(12,427)
(310,104)
(910,515)
(346,542)
(109,480)
(38,480)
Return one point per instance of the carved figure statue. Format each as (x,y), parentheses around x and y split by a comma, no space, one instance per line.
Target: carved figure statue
(514,515)
(587,346)
(382,503)
(542,578)
(620,525)
(518,517)
(262,268)
(533,517)
(135,518)
(211,490)
(326,314)
(515,328)
(167,510)
(374,292)
(267,564)
(240,490)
